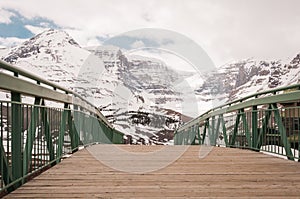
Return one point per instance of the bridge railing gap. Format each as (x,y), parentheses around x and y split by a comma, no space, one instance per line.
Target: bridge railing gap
(35,136)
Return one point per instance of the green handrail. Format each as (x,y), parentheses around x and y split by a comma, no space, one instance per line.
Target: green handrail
(268,121)
(34,136)
(244,102)
(19,71)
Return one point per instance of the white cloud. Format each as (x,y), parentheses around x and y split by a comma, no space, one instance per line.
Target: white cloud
(172,60)
(84,38)
(5,16)
(11,41)
(35,29)
(138,44)
(227,29)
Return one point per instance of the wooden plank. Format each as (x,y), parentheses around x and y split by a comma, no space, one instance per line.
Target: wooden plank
(225,172)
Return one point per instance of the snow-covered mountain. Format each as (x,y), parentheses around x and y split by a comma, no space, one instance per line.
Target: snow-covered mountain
(135,93)
(142,96)
(3,50)
(239,79)
(53,55)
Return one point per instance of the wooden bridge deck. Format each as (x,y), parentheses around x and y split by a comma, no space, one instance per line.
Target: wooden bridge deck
(225,172)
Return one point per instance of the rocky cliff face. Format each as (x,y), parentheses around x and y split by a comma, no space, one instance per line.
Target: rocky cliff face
(242,78)
(139,93)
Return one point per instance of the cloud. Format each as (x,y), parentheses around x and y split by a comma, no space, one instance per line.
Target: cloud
(170,59)
(35,29)
(22,27)
(5,16)
(227,29)
(85,38)
(11,41)
(138,44)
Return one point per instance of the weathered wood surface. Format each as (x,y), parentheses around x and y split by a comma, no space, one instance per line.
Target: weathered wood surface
(224,172)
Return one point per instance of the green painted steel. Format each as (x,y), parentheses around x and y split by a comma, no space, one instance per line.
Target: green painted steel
(5,169)
(35,136)
(217,128)
(245,127)
(48,137)
(27,157)
(17,85)
(213,131)
(237,105)
(224,131)
(61,136)
(206,126)
(198,134)
(262,131)
(16,137)
(235,130)
(254,126)
(282,132)
(267,121)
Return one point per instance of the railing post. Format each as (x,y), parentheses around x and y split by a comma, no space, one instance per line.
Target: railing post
(213,131)
(16,136)
(198,132)
(193,141)
(246,129)
(206,127)
(72,131)
(75,129)
(218,127)
(85,128)
(254,127)
(62,133)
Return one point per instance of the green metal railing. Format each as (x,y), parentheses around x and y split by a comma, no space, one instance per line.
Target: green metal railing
(266,121)
(36,136)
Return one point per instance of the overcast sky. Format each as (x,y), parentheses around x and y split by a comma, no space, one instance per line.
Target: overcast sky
(226,29)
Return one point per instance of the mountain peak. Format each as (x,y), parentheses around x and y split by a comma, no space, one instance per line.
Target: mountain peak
(48,42)
(52,36)
(296,60)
